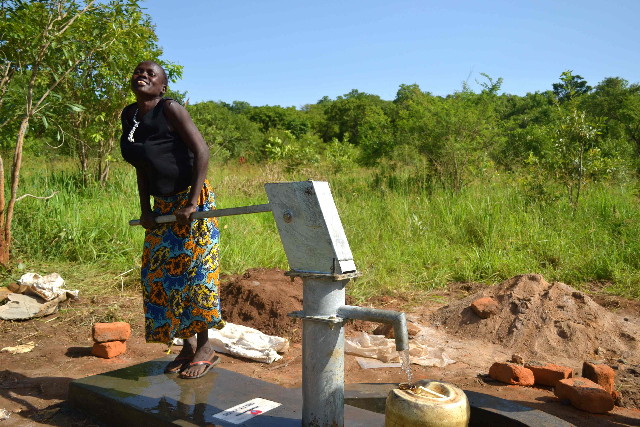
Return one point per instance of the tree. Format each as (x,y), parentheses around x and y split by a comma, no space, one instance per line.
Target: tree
(490,86)
(453,133)
(45,45)
(229,134)
(570,86)
(365,120)
(277,117)
(314,114)
(99,83)
(618,103)
(238,107)
(576,153)
(525,122)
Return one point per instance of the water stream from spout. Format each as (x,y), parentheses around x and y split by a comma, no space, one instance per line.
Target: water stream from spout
(405,360)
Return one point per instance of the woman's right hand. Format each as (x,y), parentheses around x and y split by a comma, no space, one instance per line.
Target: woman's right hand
(148,220)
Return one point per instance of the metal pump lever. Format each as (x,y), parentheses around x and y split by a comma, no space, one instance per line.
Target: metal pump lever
(163,219)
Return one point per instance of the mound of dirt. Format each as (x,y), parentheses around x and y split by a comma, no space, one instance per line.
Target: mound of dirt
(541,321)
(261,299)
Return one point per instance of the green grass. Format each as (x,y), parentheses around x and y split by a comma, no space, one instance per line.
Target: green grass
(404,235)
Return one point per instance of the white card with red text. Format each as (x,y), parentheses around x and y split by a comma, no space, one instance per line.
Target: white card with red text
(247,410)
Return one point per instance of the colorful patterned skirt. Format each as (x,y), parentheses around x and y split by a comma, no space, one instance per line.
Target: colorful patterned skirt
(180,272)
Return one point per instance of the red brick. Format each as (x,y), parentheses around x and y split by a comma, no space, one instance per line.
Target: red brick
(510,373)
(585,395)
(109,350)
(548,373)
(115,331)
(485,307)
(600,374)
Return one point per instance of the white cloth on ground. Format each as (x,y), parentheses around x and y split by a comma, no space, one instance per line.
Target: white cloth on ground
(246,342)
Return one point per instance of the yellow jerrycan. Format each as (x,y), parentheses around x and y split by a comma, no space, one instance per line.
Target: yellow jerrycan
(427,404)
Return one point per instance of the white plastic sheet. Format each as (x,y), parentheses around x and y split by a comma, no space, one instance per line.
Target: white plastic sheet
(18,349)
(47,287)
(24,307)
(383,350)
(246,342)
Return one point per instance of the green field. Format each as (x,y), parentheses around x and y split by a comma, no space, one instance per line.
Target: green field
(404,235)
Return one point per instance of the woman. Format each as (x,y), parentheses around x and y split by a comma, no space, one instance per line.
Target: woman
(180,267)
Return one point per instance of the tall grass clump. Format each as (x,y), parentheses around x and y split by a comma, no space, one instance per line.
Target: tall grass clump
(84,224)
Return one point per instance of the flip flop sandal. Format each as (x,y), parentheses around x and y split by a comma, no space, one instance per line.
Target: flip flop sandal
(210,364)
(178,364)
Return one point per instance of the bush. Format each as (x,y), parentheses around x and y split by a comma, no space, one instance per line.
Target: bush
(294,152)
(341,155)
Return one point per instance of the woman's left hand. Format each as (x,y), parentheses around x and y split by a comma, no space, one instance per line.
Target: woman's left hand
(183,214)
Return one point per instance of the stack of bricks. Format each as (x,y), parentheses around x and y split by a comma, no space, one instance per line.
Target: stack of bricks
(110,339)
(593,392)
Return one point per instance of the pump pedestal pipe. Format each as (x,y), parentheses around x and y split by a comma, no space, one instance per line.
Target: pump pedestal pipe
(323,316)
(318,252)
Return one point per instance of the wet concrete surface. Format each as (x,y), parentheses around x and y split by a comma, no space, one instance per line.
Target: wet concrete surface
(143,395)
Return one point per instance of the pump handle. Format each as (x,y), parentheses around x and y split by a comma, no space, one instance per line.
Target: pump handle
(163,219)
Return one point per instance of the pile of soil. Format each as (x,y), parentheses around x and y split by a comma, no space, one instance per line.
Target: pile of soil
(628,384)
(541,320)
(261,299)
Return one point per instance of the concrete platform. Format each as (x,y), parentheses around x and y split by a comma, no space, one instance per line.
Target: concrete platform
(143,395)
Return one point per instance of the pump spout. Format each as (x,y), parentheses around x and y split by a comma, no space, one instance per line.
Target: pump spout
(396,318)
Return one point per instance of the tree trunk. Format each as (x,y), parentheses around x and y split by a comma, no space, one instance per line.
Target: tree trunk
(7,217)
(104,173)
(3,260)
(84,162)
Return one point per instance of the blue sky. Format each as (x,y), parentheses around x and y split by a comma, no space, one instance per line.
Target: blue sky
(291,53)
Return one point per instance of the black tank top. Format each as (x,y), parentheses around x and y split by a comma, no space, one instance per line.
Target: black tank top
(164,159)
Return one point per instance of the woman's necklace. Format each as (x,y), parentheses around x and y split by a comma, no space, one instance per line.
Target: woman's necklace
(135,126)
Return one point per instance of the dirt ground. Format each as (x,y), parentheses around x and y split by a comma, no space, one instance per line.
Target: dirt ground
(33,385)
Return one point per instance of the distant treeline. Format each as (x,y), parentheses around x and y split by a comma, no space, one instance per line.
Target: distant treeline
(571,133)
